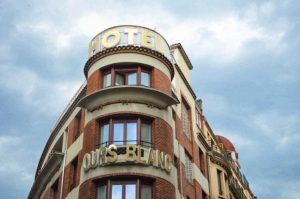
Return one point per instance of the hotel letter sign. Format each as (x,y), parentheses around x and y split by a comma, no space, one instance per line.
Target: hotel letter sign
(129,35)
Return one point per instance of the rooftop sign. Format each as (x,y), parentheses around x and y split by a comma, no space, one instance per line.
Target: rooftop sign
(129,35)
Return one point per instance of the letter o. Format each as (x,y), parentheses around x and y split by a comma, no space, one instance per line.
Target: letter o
(87,162)
(114,41)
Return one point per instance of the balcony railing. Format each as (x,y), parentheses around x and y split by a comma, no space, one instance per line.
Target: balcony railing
(52,165)
(236,189)
(121,145)
(124,142)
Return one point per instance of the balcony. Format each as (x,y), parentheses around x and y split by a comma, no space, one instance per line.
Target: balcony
(45,174)
(127,94)
(236,189)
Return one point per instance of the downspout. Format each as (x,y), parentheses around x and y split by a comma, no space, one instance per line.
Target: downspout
(181,188)
(208,175)
(63,174)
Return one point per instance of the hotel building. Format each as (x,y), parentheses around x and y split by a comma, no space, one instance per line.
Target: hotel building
(135,129)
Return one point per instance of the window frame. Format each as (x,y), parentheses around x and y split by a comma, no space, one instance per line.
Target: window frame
(139,121)
(220,182)
(188,167)
(77,119)
(202,160)
(126,70)
(198,118)
(138,182)
(185,105)
(73,174)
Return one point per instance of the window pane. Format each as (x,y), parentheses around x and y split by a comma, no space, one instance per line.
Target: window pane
(130,191)
(107,80)
(118,133)
(219,174)
(132,133)
(146,134)
(120,79)
(116,192)
(132,79)
(101,192)
(145,79)
(104,135)
(146,192)
(186,121)
(188,168)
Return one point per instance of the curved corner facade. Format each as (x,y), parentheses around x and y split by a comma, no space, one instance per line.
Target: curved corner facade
(133,130)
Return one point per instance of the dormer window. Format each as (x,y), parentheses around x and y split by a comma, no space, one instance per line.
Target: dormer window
(124,75)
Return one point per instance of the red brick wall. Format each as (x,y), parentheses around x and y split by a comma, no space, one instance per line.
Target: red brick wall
(68,175)
(161,81)
(90,137)
(181,137)
(190,189)
(73,127)
(163,136)
(94,82)
(87,190)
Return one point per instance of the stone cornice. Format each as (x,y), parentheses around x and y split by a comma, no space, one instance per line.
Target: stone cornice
(129,49)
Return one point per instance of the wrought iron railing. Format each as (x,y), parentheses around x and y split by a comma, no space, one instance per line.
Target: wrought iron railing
(121,145)
(124,142)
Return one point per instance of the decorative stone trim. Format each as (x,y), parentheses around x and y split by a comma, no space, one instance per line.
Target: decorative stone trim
(129,49)
(126,102)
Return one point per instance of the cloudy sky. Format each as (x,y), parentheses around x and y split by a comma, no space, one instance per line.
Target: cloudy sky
(246,69)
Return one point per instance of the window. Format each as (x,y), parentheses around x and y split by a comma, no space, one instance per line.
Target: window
(133,189)
(77,125)
(204,195)
(126,131)
(186,120)
(202,161)
(54,190)
(73,174)
(188,168)
(219,176)
(145,79)
(124,75)
(107,80)
(198,118)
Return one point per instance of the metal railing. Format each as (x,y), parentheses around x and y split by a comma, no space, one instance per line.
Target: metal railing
(124,142)
(121,145)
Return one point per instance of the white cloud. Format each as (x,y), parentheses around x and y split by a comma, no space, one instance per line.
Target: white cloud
(282,129)
(221,38)
(13,163)
(43,94)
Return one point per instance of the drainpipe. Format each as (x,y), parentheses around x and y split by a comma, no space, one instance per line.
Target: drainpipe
(181,188)
(208,175)
(63,174)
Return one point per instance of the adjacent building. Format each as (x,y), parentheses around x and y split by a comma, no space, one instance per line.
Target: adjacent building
(135,129)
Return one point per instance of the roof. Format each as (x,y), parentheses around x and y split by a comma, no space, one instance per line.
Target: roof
(227,144)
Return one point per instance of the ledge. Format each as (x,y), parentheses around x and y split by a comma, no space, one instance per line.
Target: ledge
(127,94)
(45,175)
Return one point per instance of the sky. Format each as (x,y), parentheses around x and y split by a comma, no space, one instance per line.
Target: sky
(246,70)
